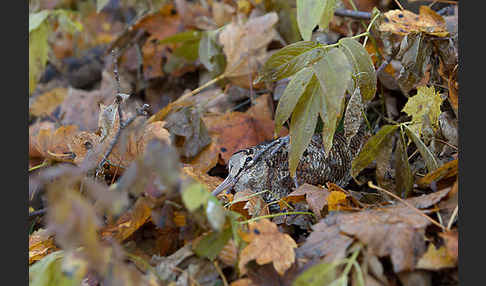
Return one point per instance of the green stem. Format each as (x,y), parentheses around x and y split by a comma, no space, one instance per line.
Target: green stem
(245,198)
(273,215)
(43,164)
(353,37)
(351,261)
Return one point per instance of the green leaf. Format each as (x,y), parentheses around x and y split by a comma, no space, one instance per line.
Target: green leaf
(426,154)
(291,59)
(215,213)
(212,244)
(195,196)
(334,73)
(371,149)
(100,4)
(403,173)
(188,50)
(303,123)
(36,19)
(38,51)
(48,271)
(327,14)
(341,281)
(66,22)
(363,69)
(190,35)
(208,49)
(309,14)
(320,274)
(291,96)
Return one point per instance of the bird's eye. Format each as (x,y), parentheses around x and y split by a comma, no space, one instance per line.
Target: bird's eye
(248,159)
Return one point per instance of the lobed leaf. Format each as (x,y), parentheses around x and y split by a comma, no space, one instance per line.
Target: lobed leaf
(334,73)
(303,123)
(291,59)
(426,154)
(363,69)
(291,96)
(371,149)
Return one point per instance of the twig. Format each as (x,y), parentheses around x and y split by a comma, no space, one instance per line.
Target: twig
(371,185)
(352,14)
(37,213)
(197,90)
(453,217)
(274,215)
(399,5)
(225,282)
(43,164)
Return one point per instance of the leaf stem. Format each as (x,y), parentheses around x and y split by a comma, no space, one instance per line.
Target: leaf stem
(197,90)
(273,215)
(43,164)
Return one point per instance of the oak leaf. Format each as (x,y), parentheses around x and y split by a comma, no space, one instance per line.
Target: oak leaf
(268,245)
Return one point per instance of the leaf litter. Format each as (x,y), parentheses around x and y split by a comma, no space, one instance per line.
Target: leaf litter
(126,198)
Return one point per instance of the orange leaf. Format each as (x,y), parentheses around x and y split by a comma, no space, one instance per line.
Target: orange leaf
(403,22)
(435,259)
(336,200)
(268,245)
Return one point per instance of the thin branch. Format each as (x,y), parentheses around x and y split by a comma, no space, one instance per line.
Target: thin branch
(371,185)
(453,217)
(37,213)
(352,14)
(274,215)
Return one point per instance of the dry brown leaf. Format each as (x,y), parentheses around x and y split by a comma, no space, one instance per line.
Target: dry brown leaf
(45,104)
(34,129)
(244,46)
(130,222)
(249,207)
(229,254)
(403,22)
(435,259)
(268,245)
(242,282)
(40,245)
(447,170)
(451,241)
(211,182)
(316,197)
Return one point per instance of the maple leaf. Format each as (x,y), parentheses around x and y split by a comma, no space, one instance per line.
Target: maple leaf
(267,245)
(426,103)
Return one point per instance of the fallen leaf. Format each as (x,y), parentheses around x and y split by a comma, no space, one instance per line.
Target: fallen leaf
(435,259)
(451,242)
(336,200)
(211,182)
(40,245)
(46,103)
(249,207)
(229,254)
(245,47)
(129,222)
(268,245)
(445,171)
(34,129)
(426,102)
(316,197)
(403,22)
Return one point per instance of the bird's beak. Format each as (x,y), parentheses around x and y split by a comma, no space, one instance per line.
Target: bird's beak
(227,183)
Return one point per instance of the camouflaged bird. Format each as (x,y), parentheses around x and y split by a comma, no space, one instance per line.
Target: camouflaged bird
(266,167)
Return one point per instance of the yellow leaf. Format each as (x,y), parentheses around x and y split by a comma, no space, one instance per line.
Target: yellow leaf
(435,259)
(335,199)
(426,103)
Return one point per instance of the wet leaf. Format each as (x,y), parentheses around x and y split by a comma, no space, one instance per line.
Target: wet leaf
(371,148)
(211,244)
(268,245)
(435,259)
(403,22)
(353,115)
(403,173)
(215,213)
(426,154)
(303,123)
(291,59)
(333,72)
(291,95)
(426,102)
(364,73)
(195,196)
(320,274)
